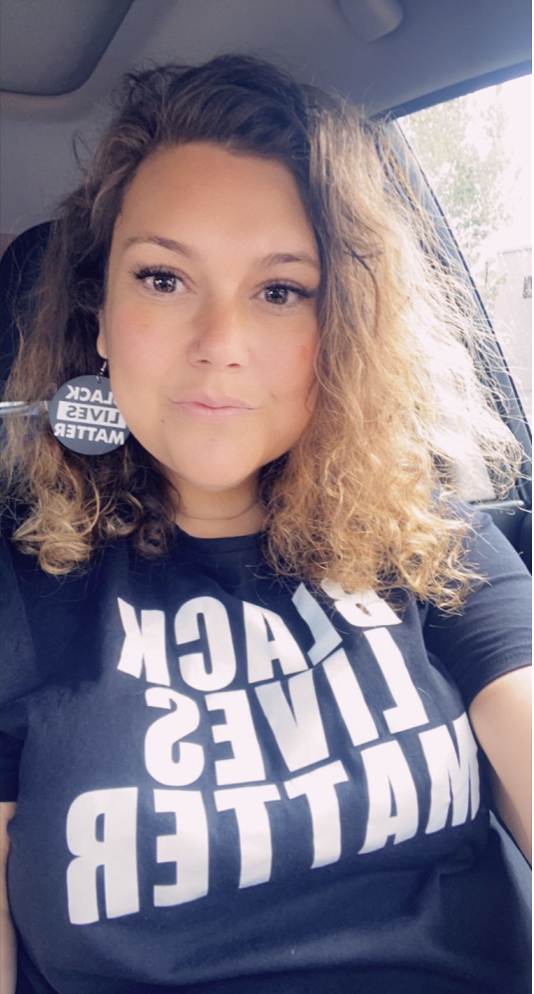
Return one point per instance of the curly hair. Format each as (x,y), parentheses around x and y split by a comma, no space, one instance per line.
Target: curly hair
(364,498)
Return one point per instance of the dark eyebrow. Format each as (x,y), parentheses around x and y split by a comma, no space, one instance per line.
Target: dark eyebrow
(275,259)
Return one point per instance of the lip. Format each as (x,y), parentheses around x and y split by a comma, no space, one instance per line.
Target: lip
(212,406)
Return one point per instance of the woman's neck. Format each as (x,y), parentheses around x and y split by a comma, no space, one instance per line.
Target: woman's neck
(219,515)
(243,524)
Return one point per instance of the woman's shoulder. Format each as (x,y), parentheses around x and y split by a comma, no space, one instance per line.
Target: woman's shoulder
(20,568)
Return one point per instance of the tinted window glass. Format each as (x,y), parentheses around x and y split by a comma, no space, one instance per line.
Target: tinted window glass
(476,154)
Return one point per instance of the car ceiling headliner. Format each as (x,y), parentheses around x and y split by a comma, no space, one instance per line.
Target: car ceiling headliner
(438,44)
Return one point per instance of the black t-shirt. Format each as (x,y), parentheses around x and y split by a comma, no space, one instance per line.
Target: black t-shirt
(227,783)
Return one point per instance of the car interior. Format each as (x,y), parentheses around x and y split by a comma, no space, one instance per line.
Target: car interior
(61,61)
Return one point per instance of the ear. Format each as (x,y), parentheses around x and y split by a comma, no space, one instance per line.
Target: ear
(101,346)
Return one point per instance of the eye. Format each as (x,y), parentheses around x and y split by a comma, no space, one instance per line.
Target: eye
(286,295)
(158,280)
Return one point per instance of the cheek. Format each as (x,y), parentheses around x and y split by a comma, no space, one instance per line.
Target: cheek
(134,350)
(136,371)
(128,334)
(292,372)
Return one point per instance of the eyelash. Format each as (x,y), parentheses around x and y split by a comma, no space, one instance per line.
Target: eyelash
(148,272)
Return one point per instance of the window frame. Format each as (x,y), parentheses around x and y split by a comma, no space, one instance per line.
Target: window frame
(510,513)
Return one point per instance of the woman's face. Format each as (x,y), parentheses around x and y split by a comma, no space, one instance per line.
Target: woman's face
(209,323)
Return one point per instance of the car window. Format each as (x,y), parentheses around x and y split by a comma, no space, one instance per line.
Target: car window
(475,152)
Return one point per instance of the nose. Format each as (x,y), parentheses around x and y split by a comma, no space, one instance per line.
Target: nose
(219,336)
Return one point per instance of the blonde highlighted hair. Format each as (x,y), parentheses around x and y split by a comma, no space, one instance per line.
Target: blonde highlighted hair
(363,498)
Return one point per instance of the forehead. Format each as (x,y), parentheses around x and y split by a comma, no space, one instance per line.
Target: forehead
(208,188)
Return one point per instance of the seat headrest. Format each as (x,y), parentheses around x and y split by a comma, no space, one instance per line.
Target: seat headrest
(19,272)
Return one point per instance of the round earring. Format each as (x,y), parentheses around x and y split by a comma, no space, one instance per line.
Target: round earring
(84,417)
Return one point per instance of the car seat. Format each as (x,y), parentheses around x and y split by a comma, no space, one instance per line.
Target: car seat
(19,271)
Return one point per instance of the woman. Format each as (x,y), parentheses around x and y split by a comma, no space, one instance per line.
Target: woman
(243,639)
